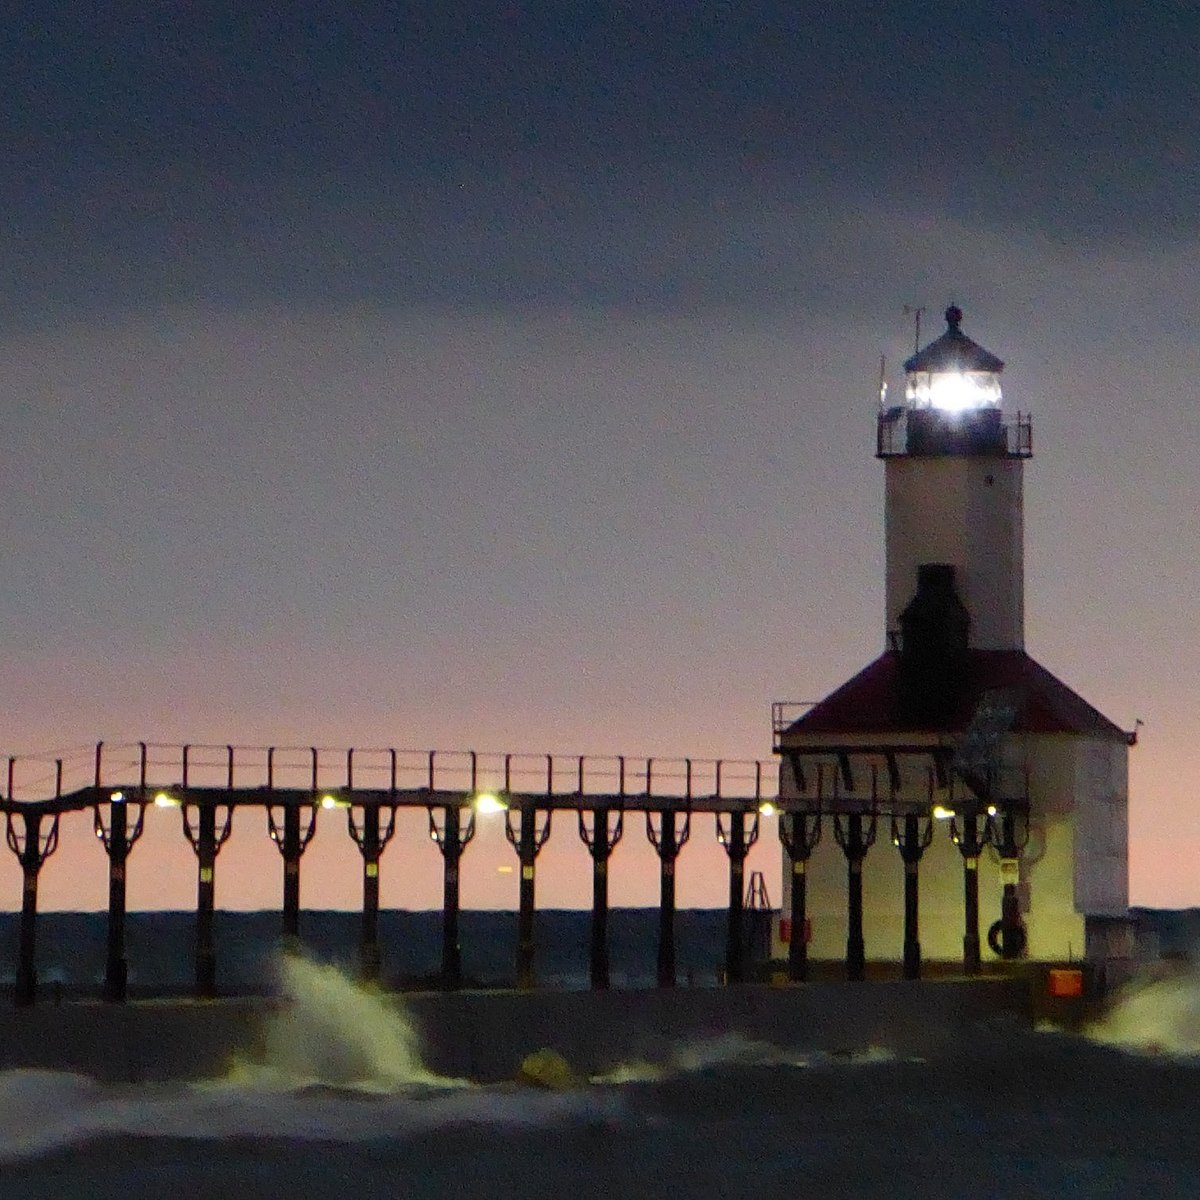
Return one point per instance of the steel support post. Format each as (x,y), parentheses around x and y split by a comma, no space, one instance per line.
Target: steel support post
(525,908)
(855,948)
(291,871)
(528,840)
(668,853)
(32,847)
(668,841)
(206,840)
(116,970)
(598,965)
(737,842)
(371,836)
(600,838)
(972,958)
(799,832)
(970,845)
(912,937)
(113,830)
(913,837)
(451,948)
(206,901)
(855,840)
(452,838)
(369,956)
(735,959)
(26,980)
(292,841)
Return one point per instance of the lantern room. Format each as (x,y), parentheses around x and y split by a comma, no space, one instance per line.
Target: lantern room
(952,402)
(953,374)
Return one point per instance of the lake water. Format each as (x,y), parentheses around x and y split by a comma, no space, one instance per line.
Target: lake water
(347,1109)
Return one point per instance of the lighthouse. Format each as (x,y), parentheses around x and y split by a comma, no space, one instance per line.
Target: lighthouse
(954,800)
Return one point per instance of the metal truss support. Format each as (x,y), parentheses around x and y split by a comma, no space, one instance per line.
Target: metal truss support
(912,836)
(528,841)
(111,821)
(600,837)
(299,828)
(32,842)
(800,832)
(452,837)
(207,832)
(371,835)
(668,838)
(737,840)
(855,838)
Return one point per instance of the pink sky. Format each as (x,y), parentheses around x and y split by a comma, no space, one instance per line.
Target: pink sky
(569,533)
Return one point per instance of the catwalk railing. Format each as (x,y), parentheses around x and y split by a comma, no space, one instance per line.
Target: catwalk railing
(295,787)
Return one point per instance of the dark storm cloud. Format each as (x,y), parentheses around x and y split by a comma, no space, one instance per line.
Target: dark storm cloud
(497,153)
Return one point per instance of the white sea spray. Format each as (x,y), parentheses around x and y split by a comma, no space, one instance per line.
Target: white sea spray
(1156,1013)
(337,1063)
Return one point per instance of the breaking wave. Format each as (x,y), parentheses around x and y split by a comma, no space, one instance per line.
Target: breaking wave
(333,1032)
(337,1062)
(1156,1013)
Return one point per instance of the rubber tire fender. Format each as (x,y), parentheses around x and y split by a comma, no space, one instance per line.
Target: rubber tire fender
(1018,937)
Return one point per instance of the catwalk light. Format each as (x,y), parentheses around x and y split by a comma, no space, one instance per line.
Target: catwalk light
(487,802)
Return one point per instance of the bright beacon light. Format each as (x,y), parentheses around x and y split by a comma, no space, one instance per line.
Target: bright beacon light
(961,391)
(486,802)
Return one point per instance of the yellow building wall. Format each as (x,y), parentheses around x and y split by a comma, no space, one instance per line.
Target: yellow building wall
(1075,862)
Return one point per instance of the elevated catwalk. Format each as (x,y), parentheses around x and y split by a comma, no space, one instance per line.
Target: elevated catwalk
(295,789)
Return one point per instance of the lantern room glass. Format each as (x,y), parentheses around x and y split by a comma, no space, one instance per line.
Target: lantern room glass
(953,391)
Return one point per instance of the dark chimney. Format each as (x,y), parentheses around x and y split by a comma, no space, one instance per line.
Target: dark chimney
(933,647)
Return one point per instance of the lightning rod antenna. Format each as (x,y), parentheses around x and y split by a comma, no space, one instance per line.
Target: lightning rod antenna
(914,311)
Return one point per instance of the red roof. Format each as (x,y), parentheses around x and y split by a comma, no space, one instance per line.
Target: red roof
(871,702)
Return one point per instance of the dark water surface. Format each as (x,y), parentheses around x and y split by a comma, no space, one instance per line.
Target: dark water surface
(347,1109)
(1014,1115)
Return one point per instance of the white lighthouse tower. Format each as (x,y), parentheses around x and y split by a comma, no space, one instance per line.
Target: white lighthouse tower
(954,480)
(1003,794)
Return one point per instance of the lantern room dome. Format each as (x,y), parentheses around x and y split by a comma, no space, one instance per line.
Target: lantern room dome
(954,351)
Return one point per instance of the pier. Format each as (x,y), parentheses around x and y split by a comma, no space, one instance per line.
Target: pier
(289,793)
